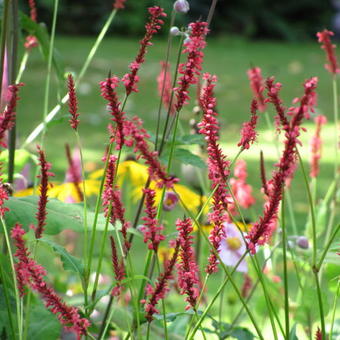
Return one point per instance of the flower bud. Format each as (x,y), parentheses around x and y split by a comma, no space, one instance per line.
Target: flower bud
(181,6)
(174,31)
(302,242)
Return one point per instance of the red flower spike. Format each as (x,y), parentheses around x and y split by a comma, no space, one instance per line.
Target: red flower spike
(73,173)
(31,40)
(111,196)
(263,229)
(248,132)
(161,287)
(151,230)
(318,334)
(257,86)
(108,92)
(324,38)
(119,4)
(190,70)
(30,273)
(43,197)
(33,10)
(188,280)
(118,269)
(165,85)
(131,79)
(7,118)
(72,102)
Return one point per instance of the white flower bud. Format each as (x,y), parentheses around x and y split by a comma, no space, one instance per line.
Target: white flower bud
(174,31)
(181,6)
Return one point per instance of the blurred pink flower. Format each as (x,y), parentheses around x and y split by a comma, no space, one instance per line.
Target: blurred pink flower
(232,247)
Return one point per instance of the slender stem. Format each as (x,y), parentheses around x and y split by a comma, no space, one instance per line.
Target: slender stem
(285,275)
(336,131)
(49,69)
(22,66)
(334,309)
(211,11)
(220,309)
(39,128)
(10,255)
(105,321)
(322,314)
(4,33)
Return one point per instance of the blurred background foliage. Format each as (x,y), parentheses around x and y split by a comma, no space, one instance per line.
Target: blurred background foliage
(289,20)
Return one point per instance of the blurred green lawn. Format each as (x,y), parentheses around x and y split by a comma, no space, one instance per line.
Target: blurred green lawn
(227,57)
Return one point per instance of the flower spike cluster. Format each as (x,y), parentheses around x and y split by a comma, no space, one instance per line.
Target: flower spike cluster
(73,174)
(151,230)
(188,280)
(324,38)
(248,132)
(30,273)
(118,269)
(7,118)
(108,92)
(315,146)
(112,202)
(263,229)
(161,287)
(3,198)
(72,102)
(43,197)
(257,86)
(119,4)
(165,85)
(193,65)
(218,168)
(31,40)
(131,79)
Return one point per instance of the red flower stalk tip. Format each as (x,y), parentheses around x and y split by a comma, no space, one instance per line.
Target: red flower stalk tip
(72,102)
(33,10)
(318,334)
(119,4)
(43,197)
(3,198)
(257,86)
(188,280)
(131,79)
(263,229)
(263,175)
(139,138)
(247,285)
(112,201)
(30,273)
(31,40)
(118,269)
(108,92)
(151,230)
(190,70)
(7,118)
(324,38)
(248,132)
(316,145)
(161,287)
(242,191)
(165,85)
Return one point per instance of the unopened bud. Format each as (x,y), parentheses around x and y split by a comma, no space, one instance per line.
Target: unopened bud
(302,242)
(181,6)
(174,31)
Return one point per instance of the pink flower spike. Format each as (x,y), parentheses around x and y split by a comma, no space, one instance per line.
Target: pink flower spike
(190,70)
(118,269)
(119,4)
(165,85)
(7,118)
(3,198)
(74,173)
(324,38)
(154,24)
(248,131)
(257,86)
(43,198)
(316,146)
(151,229)
(30,273)
(161,287)
(33,10)
(188,280)
(72,102)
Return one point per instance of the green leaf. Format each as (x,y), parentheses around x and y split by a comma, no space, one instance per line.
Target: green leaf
(60,215)
(190,140)
(292,334)
(43,324)
(70,262)
(184,156)
(41,33)
(122,318)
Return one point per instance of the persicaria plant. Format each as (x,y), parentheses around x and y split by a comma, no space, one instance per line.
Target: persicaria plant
(177,228)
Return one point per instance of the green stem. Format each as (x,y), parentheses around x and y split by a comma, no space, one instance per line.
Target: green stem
(10,255)
(334,309)
(4,33)
(22,66)
(336,132)
(285,274)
